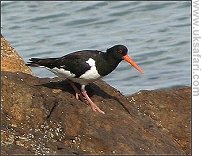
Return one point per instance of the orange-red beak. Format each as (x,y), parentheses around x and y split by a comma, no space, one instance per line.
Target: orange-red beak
(129,60)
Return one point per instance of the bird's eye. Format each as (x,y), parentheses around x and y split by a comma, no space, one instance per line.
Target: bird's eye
(120,51)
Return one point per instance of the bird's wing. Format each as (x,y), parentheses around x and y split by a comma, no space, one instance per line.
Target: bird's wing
(76,62)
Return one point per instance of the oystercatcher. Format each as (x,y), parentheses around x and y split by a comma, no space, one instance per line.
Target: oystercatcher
(84,67)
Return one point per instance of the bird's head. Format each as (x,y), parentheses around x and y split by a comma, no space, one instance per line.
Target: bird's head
(119,52)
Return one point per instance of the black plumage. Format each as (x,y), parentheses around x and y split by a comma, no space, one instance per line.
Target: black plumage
(76,62)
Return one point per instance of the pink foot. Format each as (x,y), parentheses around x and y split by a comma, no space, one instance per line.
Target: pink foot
(92,104)
(77,96)
(81,97)
(77,91)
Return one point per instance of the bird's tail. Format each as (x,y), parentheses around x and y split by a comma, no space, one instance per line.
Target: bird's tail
(36,62)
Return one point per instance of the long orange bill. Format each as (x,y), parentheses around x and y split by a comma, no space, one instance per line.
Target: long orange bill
(129,60)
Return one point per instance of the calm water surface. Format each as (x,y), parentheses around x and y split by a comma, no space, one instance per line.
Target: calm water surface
(157,35)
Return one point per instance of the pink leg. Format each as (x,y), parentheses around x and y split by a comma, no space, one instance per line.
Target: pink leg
(78,93)
(92,104)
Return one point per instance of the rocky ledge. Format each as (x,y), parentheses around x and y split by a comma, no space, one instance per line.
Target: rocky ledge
(42,116)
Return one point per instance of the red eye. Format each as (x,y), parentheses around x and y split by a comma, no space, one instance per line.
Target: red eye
(120,51)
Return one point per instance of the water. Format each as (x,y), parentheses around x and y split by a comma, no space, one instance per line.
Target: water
(157,34)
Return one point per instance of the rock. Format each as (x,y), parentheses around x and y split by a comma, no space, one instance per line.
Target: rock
(10,60)
(170,109)
(42,116)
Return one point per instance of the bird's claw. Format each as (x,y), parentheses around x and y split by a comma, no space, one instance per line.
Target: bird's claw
(95,108)
(81,97)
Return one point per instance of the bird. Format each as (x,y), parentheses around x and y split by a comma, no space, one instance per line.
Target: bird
(84,67)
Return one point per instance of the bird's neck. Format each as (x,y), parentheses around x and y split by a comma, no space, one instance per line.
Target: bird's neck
(108,64)
(110,58)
